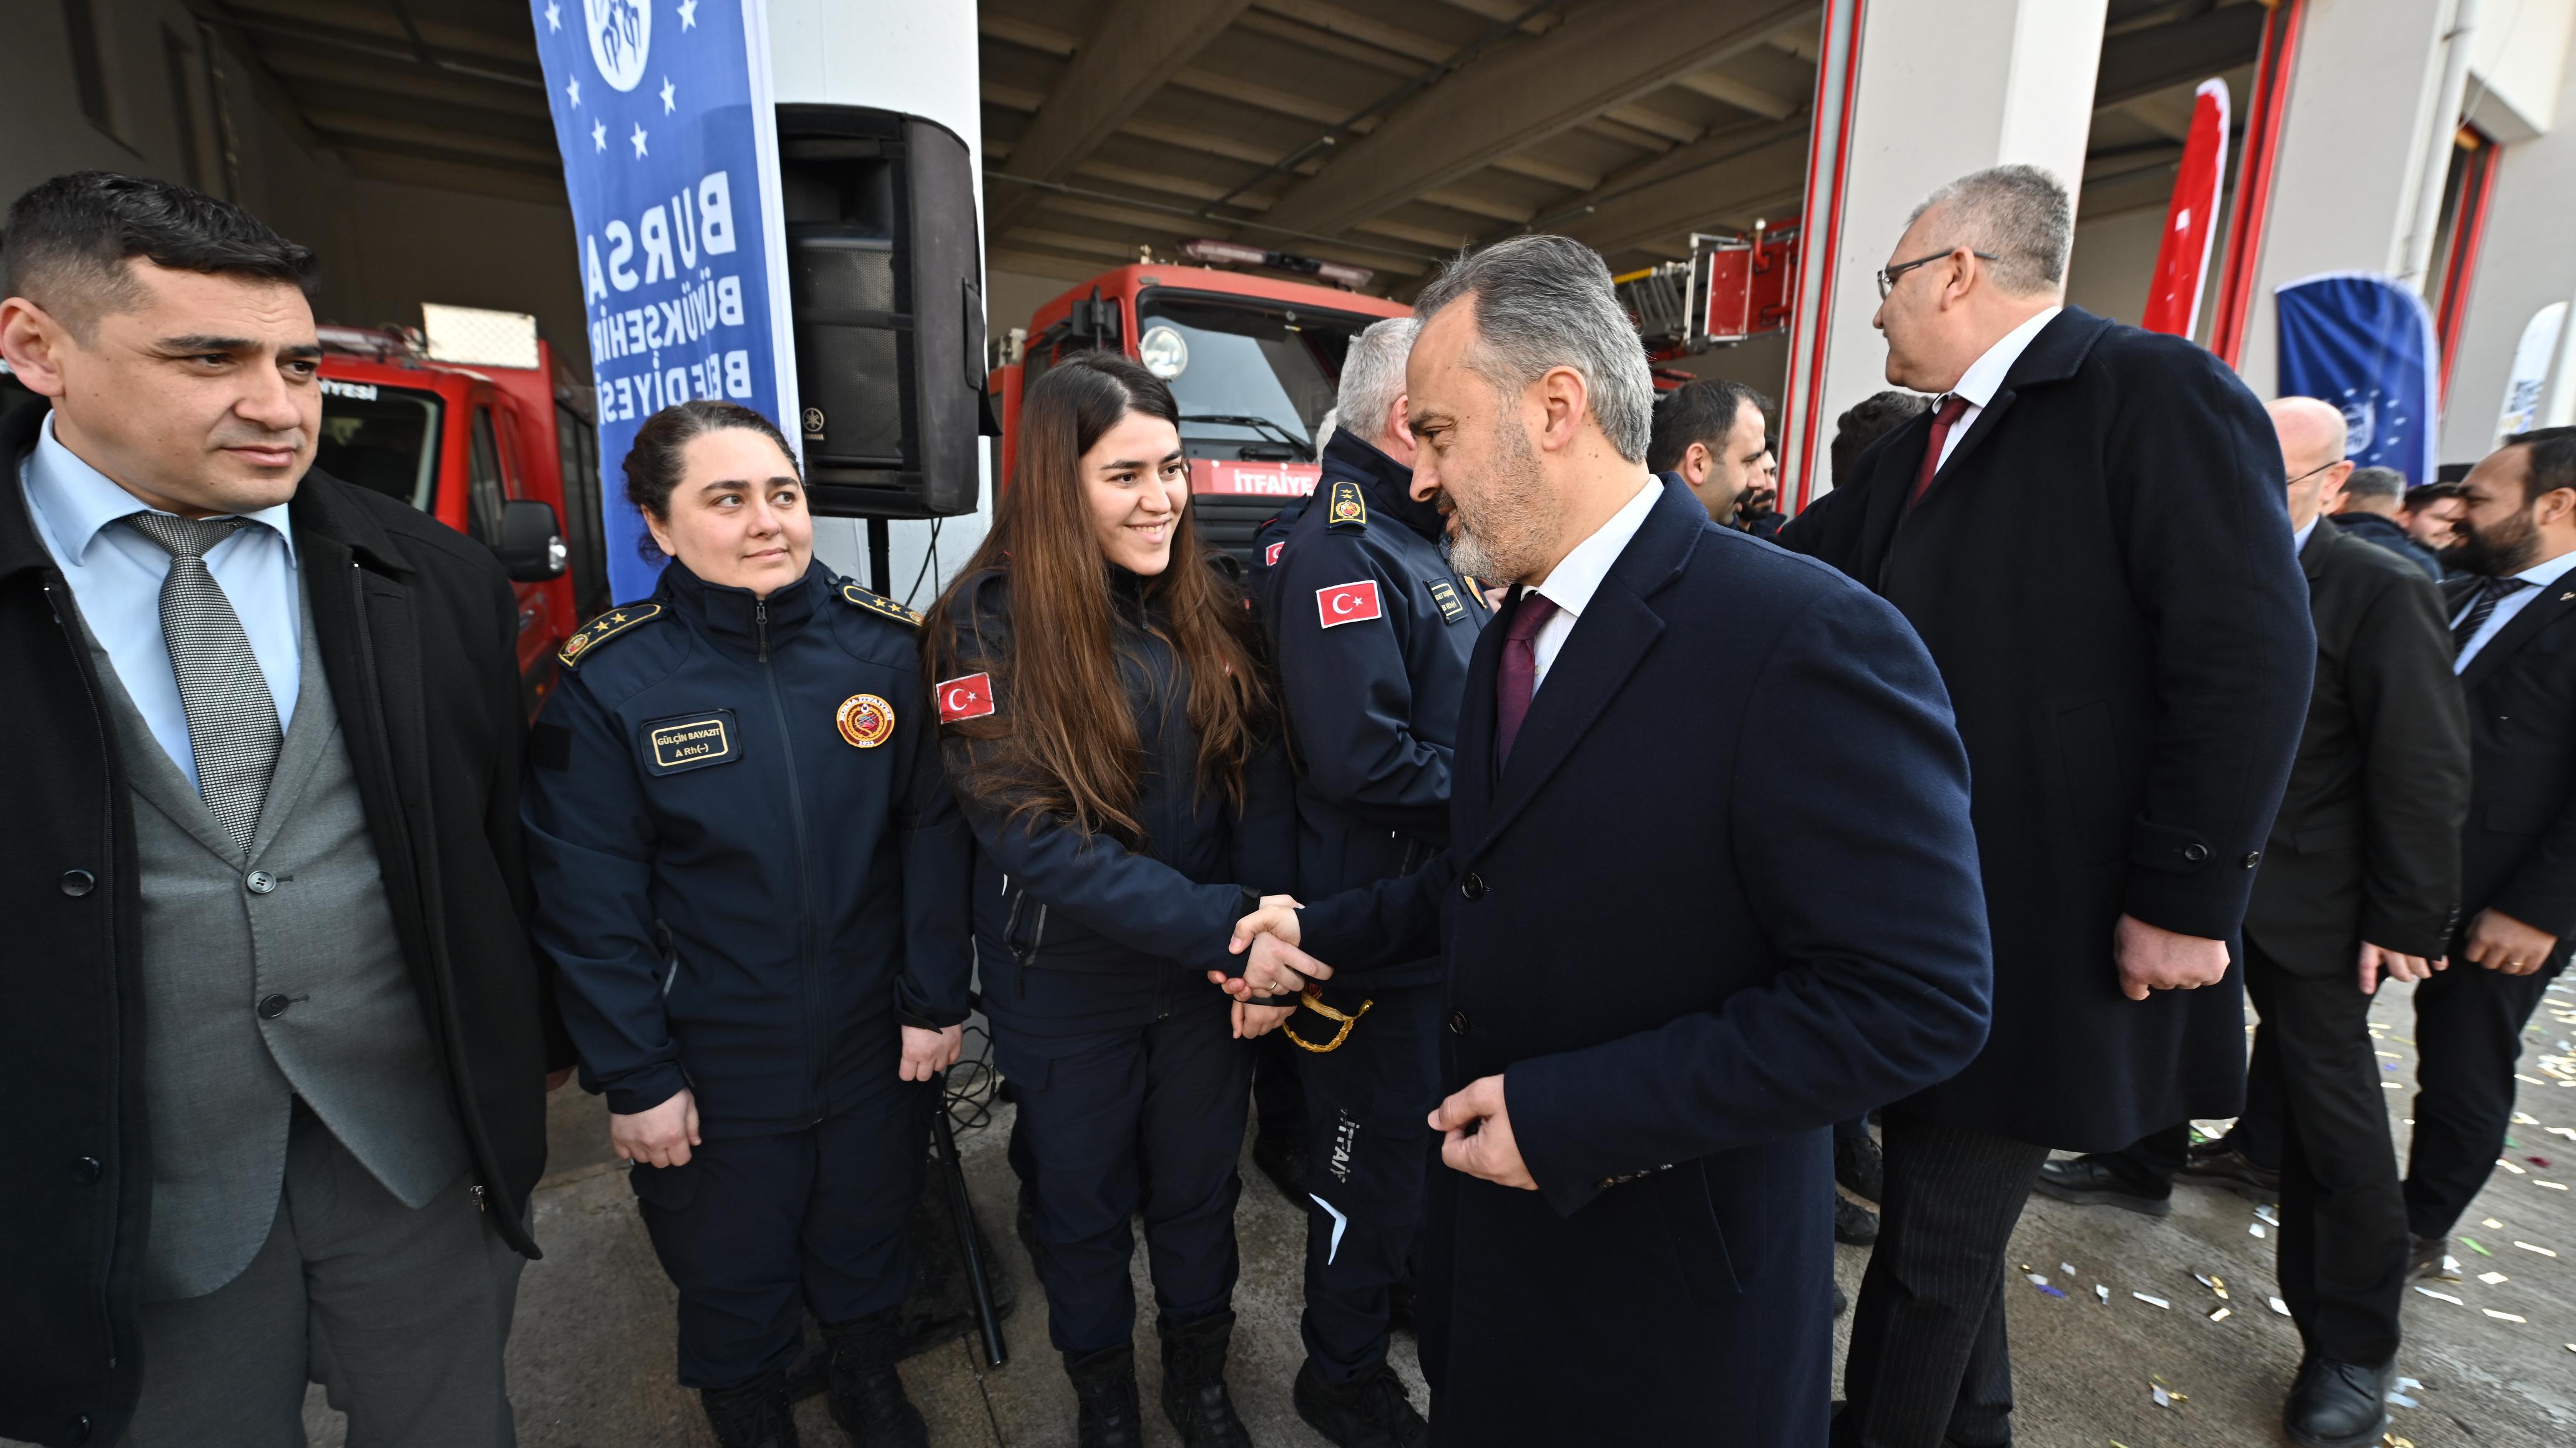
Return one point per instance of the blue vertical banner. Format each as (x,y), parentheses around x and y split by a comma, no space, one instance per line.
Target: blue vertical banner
(663,115)
(2364,342)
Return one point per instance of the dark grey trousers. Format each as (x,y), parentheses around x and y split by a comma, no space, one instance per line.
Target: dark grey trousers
(401,1316)
(1928,1357)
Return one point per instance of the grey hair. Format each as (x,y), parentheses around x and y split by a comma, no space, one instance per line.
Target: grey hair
(2375,483)
(1373,376)
(1544,302)
(1325,427)
(2019,215)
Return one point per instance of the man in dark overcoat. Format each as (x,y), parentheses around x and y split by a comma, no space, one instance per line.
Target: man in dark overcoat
(1679,748)
(2088,531)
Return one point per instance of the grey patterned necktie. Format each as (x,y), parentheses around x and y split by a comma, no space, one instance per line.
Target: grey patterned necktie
(2490,593)
(232,718)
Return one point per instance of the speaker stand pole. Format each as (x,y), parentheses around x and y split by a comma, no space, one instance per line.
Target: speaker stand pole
(880,558)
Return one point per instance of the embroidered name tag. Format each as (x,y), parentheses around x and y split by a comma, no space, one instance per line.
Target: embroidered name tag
(691,741)
(1445,594)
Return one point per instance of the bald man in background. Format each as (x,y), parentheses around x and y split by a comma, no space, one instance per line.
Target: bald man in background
(2360,883)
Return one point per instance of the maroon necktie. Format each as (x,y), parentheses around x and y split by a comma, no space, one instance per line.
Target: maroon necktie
(1951,407)
(1517,679)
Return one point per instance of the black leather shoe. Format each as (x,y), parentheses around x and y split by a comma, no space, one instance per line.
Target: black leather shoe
(1281,1155)
(1104,1392)
(2430,1259)
(1854,1224)
(2087,1181)
(1859,1166)
(1370,1412)
(2338,1405)
(1194,1396)
(755,1415)
(2216,1164)
(866,1395)
(1842,1304)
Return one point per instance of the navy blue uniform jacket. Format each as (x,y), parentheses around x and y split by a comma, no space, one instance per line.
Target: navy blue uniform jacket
(1373,634)
(743,894)
(1049,897)
(1724,894)
(2103,571)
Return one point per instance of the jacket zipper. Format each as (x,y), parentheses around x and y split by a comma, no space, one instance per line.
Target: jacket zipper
(804,867)
(114,1176)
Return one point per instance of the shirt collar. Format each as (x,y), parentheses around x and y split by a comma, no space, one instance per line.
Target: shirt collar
(2541,575)
(2299,539)
(77,500)
(1985,376)
(1571,584)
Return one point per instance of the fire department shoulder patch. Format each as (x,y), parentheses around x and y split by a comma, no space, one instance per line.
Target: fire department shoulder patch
(1346,508)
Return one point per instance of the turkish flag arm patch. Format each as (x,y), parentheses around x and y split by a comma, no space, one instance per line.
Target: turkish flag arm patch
(1347,603)
(968,698)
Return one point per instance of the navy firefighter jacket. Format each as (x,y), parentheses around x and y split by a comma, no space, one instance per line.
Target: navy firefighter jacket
(749,869)
(1050,898)
(1373,633)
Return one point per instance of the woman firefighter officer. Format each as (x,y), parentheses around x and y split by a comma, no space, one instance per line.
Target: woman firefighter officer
(1115,746)
(752,878)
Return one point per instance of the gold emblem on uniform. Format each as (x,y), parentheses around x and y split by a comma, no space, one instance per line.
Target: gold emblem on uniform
(1347,506)
(865,720)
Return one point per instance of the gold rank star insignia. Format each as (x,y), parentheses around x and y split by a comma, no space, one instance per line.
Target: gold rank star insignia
(880,605)
(865,720)
(599,630)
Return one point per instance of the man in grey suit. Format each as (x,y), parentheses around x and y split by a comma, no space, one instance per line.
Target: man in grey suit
(276,1043)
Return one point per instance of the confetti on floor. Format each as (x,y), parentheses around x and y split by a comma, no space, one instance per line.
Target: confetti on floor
(2220,1315)
(2543,1251)
(2280,1307)
(2102,1292)
(2502,1316)
(2492,1278)
(2152,1301)
(2442,1297)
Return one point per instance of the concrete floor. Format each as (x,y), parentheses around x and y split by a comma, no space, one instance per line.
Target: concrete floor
(591,1359)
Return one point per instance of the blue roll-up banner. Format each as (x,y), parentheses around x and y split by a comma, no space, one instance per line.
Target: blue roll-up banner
(2364,342)
(670,150)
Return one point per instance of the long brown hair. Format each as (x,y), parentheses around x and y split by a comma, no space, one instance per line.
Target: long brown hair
(1068,746)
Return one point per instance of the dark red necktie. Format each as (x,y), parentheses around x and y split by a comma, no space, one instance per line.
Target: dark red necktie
(1942,420)
(1517,678)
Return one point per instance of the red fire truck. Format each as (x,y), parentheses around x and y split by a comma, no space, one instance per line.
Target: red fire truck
(1253,360)
(508,455)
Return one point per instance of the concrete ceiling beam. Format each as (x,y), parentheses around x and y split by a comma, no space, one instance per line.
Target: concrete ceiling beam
(2141,62)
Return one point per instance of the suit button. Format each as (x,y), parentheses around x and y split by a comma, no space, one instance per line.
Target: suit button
(87,1170)
(271,1007)
(1457,1023)
(260,882)
(2252,859)
(2195,852)
(1473,886)
(80,1428)
(77,883)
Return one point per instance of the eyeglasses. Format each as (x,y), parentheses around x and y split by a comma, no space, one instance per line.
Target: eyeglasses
(2312,472)
(1887,275)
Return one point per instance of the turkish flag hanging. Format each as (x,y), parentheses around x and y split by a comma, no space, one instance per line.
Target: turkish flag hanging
(1347,602)
(2191,221)
(968,698)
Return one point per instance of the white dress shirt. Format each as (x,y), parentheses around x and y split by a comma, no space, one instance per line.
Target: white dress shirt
(2299,539)
(2539,575)
(115,575)
(1985,376)
(1571,584)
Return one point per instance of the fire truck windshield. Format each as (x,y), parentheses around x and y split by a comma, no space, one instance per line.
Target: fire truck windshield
(384,439)
(1253,380)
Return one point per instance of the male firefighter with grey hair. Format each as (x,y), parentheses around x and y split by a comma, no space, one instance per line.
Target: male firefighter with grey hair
(1678,748)
(1374,631)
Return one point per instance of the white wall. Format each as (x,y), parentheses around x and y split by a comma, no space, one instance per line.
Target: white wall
(2516,55)
(2528,261)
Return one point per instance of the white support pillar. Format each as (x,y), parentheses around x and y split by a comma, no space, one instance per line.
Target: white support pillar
(919,60)
(1940,88)
(2363,113)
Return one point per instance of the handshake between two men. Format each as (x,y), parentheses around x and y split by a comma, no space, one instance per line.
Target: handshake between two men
(1475,1126)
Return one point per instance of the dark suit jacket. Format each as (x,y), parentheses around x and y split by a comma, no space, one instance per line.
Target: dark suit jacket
(1723,895)
(2367,843)
(417,630)
(2518,851)
(2103,571)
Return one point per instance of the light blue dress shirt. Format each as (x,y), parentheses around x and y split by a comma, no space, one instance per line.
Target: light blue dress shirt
(116,573)
(2539,576)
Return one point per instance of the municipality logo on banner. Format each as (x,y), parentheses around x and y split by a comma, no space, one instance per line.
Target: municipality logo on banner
(2365,343)
(670,154)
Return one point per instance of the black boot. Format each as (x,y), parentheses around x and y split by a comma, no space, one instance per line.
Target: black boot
(1104,1387)
(867,1397)
(2091,1181)
(755,1415)
(1194,1396)
(1372,1411)
(2338,1405)
(1854,1224)
(1860,1165)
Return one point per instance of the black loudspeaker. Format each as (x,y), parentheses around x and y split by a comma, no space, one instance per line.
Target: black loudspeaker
(885,292)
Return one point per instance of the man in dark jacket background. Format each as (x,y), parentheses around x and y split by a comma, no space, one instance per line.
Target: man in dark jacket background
(2089,533)
(2361,878)
(276,1043)
(2368,511)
